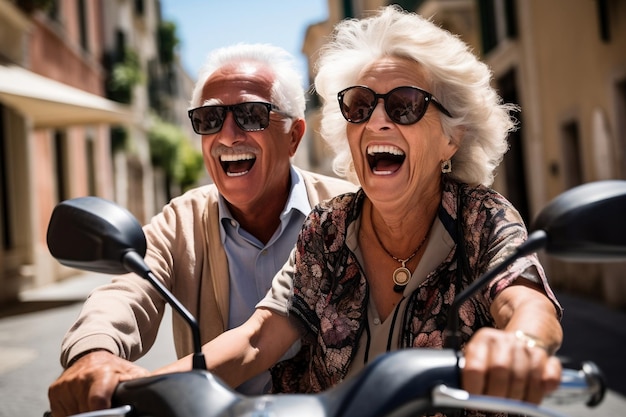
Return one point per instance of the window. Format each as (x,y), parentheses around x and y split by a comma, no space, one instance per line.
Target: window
(60,164)
(572,171)
(621,123)
(139,7)
(82,24)
(603,21)
(120,46)
(5,215)
(53,11)
(498,22)
(348,9)
(514,161)
(91,164)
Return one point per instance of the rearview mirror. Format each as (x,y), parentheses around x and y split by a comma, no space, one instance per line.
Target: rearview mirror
(94,234)
(586,223)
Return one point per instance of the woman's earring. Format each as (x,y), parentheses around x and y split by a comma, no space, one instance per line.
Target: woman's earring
(446,166)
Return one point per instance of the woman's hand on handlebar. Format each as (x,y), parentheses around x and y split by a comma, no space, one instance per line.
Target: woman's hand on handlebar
(500,363)
(89,383)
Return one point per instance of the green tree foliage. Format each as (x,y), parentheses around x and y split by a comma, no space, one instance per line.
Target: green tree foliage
(171,150)
(124,76)
(168,41)
(190,167)
(119,139)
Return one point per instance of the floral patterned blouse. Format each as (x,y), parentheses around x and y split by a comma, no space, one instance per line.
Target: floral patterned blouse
(330,290)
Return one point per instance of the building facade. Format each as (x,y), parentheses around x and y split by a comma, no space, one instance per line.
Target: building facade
(54,128)
(76,83)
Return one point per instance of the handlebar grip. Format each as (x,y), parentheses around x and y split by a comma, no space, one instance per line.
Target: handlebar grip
(585,384)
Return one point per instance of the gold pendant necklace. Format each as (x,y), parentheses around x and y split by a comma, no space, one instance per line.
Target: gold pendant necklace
(402,274)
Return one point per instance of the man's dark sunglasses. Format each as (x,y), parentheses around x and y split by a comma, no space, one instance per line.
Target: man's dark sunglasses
(404,105)
(250,116)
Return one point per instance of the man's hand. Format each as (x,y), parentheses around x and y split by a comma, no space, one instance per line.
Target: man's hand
(89,383)
(499,363)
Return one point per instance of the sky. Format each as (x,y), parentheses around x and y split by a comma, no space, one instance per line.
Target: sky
(203,25)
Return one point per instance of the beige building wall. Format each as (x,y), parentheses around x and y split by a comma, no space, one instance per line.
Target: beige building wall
(572,85)
(573,76)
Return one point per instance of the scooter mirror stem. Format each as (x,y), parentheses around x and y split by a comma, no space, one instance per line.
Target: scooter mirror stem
(452,335)
(135,263)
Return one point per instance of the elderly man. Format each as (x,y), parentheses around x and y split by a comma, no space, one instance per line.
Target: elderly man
(216,247)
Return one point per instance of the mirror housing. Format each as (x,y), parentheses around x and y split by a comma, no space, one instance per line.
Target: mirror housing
(94,234)
(586,223)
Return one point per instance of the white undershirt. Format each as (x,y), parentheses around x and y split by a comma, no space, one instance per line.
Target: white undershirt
(439,245)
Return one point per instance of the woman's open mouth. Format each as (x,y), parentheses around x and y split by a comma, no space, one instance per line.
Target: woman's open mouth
(385,159)
(236,165)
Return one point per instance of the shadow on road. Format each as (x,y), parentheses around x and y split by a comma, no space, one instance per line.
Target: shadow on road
(25,307)
(596,333)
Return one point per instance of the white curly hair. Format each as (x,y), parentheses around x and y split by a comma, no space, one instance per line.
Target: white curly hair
(458,79)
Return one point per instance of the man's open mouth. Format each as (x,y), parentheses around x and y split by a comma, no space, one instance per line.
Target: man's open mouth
(239,164)
(385,159)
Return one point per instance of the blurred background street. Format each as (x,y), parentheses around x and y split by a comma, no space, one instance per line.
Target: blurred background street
(93,100)
(31,333)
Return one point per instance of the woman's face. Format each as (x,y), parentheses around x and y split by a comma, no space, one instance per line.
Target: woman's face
(398,163)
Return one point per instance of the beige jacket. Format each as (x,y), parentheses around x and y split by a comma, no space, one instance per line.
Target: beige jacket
(186,254)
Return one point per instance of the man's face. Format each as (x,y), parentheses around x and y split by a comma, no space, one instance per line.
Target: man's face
(248,168)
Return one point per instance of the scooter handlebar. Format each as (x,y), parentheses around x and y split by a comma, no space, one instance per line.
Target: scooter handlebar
(400,383)
(585,385)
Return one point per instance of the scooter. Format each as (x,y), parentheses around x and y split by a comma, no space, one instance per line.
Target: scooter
(582,224)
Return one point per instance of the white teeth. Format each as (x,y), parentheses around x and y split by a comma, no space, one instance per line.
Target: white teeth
(237,157)
(236,174)
(393,150)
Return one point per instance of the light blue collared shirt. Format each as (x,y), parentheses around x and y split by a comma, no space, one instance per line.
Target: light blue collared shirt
(252,265)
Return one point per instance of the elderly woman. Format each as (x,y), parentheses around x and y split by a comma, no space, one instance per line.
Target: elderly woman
(412,116)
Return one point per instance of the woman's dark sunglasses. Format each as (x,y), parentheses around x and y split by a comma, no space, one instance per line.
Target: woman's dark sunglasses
(404,105)
(250,116)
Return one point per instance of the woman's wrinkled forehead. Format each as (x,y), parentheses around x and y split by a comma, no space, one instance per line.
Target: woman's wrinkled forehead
(392,68)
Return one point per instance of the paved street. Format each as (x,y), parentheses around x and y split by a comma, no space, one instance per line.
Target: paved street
(30,335)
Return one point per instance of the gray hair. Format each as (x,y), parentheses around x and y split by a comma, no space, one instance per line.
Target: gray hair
(458,79)
(287,91)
